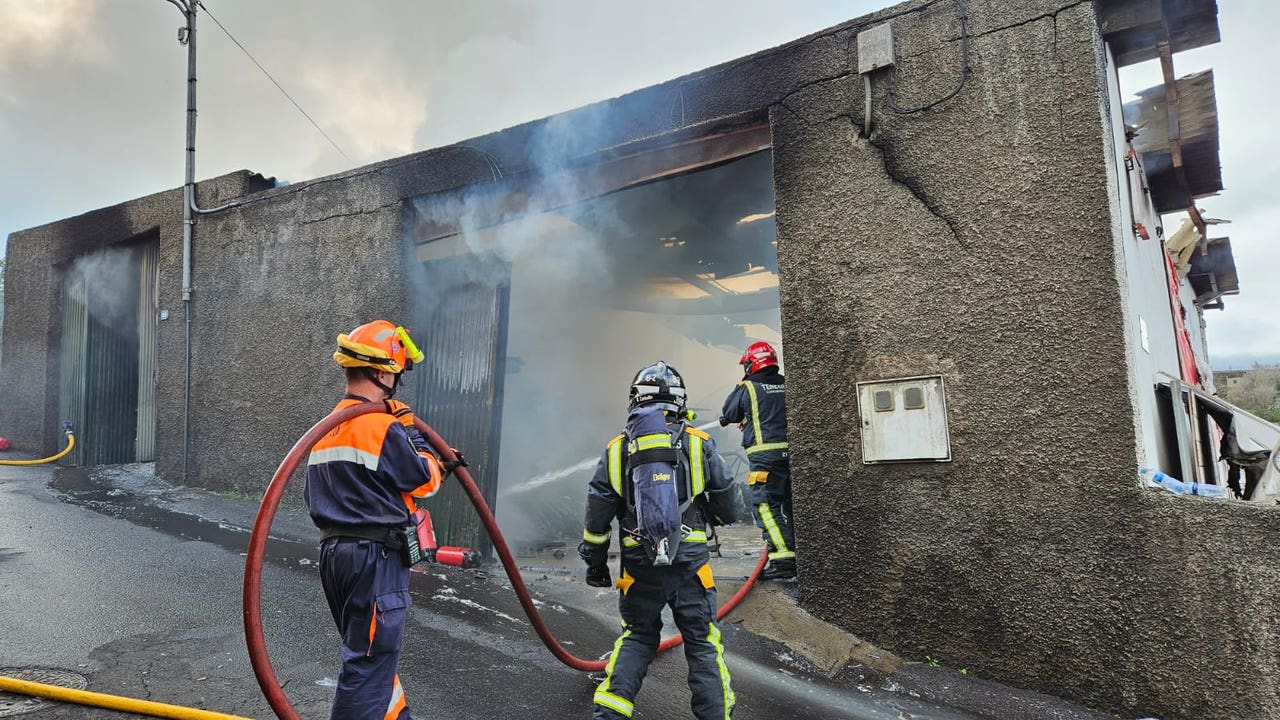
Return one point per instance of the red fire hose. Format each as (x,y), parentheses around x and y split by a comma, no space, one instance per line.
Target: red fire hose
(266,513)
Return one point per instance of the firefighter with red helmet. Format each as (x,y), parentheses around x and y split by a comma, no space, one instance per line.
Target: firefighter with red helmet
(759,405)
(703,488)
(362,482)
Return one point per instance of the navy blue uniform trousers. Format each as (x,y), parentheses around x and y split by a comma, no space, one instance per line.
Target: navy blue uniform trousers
(367,587)
(689,590)
(769,482)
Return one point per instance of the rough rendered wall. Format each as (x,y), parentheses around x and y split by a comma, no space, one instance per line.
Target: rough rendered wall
(974,241)
(276,280)
(33,285)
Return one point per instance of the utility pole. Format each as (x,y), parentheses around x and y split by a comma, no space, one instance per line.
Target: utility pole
(187,36)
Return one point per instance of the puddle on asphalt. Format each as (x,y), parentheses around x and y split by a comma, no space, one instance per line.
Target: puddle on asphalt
(76,486)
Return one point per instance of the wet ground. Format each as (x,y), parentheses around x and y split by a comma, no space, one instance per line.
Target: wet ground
(136,586)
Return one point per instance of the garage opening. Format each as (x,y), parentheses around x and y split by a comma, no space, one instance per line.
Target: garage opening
(108,353)
(566,302)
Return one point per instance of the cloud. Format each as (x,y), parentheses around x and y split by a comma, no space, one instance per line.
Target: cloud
(33,31)
(369,114)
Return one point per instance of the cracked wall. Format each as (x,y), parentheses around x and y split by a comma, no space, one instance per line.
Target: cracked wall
(975,241)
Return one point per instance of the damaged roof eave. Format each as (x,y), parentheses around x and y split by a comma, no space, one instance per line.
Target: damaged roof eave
(1195,139)
(1135,28)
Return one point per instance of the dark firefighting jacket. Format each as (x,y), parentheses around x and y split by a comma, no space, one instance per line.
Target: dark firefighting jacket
(701,469)
(367,472)
(760,404)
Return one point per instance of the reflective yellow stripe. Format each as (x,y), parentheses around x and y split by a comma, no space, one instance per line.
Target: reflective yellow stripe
(760,445)
(696,536)
(787,555)
(755,410)
(603,696)
(597,539)
(648,442)
(775,533)
(614,703)
(713,636)
(615,464)
(696,470)
(765,447)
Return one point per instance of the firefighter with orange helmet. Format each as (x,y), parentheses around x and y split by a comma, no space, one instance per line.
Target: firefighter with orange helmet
(759,405)
(362,482)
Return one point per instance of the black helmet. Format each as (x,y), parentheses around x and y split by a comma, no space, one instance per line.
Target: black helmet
(658,385)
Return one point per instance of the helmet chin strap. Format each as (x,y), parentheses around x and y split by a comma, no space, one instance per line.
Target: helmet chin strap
(390,391)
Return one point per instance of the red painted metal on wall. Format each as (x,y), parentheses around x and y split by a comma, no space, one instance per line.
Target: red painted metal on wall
(1186,355)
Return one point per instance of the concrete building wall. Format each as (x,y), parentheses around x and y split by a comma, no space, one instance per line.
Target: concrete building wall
(36,260)
(976,240)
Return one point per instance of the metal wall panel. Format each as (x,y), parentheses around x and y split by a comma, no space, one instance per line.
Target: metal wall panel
(100,354)
(459,393)
(111,398)
(148,327)
(71,381)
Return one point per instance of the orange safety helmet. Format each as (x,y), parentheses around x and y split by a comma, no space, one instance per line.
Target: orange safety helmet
(378,345)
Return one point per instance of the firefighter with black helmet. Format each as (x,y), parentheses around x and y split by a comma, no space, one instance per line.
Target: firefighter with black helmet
(361,484)
(759,405)
(702,483)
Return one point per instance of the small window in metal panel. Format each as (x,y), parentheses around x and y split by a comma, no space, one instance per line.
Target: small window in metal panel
(913,398)
(884,400)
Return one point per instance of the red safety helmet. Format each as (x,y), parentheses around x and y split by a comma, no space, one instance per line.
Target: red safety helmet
(758,357)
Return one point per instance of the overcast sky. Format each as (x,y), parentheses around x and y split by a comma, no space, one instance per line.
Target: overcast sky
(92,96)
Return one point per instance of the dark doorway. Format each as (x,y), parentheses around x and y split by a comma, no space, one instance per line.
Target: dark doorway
(668,252)
(107,383)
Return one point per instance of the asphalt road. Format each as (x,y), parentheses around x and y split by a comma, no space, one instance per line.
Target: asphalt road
(137,587)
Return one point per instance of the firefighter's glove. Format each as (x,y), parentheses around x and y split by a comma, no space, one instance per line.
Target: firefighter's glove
(451,465)
(597,559)
(593,554)
(599,577)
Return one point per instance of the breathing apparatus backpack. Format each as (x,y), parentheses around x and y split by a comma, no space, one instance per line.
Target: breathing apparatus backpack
(653,469)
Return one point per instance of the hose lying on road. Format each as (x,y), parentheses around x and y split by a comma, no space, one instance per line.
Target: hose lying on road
(262,526)
(110,702)
(71,443)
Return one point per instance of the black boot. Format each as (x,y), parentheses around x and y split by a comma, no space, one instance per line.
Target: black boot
(779,570)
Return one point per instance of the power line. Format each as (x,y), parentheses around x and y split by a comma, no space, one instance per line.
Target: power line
(273,82)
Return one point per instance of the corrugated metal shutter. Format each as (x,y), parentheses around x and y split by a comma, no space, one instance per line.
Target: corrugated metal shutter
(71,381)
(459,393)
(100,355)
(148,327)
(111,406)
